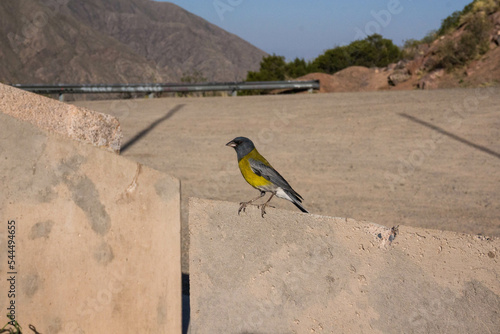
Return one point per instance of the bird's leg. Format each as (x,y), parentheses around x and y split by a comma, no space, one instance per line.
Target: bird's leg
(243,205)
(263,206)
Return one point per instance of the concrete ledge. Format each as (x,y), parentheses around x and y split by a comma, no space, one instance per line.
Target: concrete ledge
(298,273)
(77,123)
(97,237)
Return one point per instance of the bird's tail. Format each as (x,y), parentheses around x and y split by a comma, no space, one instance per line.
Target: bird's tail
(296,199)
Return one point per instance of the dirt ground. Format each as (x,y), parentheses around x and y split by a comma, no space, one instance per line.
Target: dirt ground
(421,158)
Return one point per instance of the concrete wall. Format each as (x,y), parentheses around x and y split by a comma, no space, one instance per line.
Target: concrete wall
(81,124)
(298,273)
(97,242)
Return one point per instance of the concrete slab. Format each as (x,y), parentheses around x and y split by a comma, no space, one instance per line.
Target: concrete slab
(348,154)
(81,124)
(97,237)
(299,273)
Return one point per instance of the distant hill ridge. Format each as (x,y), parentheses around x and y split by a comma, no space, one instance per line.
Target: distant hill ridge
(115,41)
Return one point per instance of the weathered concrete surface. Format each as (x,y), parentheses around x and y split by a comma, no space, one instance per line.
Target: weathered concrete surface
(299,273)
(97,243)
(348,154)
(78,123)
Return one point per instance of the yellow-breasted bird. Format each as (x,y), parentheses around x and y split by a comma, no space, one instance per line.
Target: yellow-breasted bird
(261,175)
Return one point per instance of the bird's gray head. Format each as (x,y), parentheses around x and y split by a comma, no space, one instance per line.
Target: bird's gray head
(242,145)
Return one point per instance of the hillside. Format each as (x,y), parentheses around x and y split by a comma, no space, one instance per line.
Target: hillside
(115,41)
(464,57)
(432,65)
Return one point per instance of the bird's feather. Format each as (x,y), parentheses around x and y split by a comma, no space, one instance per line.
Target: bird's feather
(269,173)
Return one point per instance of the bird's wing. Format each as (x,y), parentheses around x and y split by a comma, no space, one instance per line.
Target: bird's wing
(269,173)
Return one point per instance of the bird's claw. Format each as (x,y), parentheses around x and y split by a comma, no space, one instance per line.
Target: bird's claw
(243,206)
(262,207)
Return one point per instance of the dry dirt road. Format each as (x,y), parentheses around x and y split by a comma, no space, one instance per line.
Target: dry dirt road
(422,158)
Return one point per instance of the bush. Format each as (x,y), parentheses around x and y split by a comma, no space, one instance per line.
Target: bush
(473,43)
(272,68)
(373,51)
(430,37)
(410,48)
(484,6)
(449,23)
(297,68)
(479,27)
(333,60)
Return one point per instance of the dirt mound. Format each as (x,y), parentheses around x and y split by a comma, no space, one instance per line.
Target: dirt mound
(351,79)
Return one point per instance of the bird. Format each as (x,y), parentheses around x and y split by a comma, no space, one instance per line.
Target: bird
(259,173)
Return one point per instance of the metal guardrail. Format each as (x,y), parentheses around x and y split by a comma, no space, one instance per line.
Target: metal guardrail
(167,87)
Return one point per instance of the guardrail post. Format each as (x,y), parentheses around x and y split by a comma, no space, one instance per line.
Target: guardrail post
(61,97)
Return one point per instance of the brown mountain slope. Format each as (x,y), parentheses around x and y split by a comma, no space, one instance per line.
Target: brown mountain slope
(40,45)
(114,41)
(173,38)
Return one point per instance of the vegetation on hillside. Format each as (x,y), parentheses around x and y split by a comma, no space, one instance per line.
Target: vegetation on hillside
(376,51)
(473,42)
(373,51)
(470,14)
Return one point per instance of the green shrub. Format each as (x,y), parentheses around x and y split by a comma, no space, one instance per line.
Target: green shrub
(473,43)
(297,68)
(373,51)
(410,48)
(430,37)
(449,23)
(479,27)
(272,68)
(333,60)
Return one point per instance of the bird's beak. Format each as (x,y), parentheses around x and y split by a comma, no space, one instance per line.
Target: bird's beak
(231,144)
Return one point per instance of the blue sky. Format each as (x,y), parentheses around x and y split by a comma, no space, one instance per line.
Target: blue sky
(305,29)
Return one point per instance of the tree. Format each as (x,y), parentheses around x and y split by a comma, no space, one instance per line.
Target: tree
(297,68)
(379,52)
(333,60)
(372,51)
(272,68)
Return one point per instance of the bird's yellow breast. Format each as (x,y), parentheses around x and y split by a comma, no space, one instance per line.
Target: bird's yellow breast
(253,179)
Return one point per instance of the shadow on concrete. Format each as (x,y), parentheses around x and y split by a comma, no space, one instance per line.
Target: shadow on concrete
(186,306)
(451,135)
(144,132)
